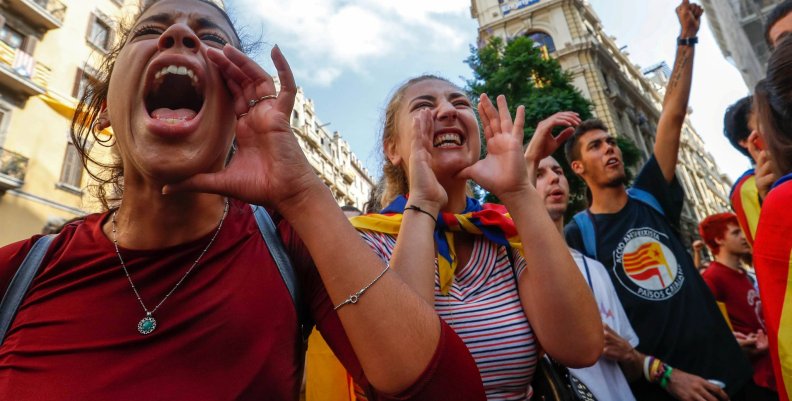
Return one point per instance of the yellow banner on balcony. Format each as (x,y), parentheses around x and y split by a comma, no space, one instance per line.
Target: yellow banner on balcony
(65,106)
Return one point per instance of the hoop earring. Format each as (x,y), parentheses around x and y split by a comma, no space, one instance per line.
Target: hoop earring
(96,131)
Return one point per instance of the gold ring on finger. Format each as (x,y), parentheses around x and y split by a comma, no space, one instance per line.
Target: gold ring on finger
(253,102)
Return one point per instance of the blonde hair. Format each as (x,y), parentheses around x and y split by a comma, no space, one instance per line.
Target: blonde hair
(394,178)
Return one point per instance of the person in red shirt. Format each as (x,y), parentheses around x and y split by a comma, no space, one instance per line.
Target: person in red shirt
(172,294)
(733,287)
(773,248)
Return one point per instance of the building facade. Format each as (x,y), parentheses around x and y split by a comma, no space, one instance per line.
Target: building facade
(626,99)
(330,155)
(49,51)
(738,26)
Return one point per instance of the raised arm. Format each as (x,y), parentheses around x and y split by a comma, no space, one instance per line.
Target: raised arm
(392,330)
(551,286)
(675,103)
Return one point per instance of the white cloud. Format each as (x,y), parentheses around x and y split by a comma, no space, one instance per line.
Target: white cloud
(329,37)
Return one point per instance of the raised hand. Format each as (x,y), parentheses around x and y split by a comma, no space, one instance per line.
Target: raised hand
(268,167)
(543,143)
(689,18)
(503,171)
(765,177)
(425,191)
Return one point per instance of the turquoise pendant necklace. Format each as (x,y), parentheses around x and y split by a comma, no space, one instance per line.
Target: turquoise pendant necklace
(147,325)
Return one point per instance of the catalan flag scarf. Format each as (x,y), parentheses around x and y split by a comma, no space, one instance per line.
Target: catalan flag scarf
(744,197)
(490,220)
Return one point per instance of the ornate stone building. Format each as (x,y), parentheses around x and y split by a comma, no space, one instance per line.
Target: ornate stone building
(627,100)
(738,26)
(330,155)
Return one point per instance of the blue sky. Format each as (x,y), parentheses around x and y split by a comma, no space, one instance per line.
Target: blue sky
(349,55)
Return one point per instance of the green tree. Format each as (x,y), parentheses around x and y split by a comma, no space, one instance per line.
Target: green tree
(526,75)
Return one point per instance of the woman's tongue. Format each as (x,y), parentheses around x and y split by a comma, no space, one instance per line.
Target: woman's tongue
(173,116)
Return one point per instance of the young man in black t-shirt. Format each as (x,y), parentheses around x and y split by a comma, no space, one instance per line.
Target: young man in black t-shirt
(690,350)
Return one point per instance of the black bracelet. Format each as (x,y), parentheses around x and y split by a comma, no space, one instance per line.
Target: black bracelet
(691,41)
(418,209)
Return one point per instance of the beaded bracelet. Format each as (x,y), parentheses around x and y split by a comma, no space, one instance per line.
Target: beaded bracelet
(418,209)
(354,298)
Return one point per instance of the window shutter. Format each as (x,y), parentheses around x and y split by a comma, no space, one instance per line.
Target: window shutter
(89,30)
(77,82)
(30,44)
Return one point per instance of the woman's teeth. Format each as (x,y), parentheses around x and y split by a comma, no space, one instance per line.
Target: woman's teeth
(444,140)
(177,70)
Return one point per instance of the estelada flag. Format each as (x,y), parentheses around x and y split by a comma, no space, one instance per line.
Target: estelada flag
(646,262)
(744,198)
(773,263)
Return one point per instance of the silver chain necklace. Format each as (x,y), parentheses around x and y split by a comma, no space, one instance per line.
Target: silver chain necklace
(148,323)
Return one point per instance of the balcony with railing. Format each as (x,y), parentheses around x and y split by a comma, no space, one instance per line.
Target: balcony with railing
(47,14)
(21,73)
(13,167)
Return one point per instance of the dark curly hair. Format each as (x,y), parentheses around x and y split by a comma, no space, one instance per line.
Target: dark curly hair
(571,148)
(780,11)
(735,123)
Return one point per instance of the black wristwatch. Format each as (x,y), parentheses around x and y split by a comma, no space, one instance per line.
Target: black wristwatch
(687,41)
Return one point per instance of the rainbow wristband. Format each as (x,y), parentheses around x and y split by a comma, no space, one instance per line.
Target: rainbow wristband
(646,362)
(656,370)
(666,380)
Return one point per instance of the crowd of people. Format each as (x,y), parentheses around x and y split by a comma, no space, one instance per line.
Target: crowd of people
(220,249)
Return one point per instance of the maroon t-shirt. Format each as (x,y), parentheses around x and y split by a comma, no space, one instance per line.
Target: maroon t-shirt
(736,290)
(229,332)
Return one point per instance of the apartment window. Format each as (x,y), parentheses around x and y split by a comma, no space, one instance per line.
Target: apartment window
(99,33)
(81,82)
(542,39)
(72,171)
(295,118)
(12,37)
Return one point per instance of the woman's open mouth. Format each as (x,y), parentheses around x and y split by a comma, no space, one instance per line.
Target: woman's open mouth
(448,138)
(175,94)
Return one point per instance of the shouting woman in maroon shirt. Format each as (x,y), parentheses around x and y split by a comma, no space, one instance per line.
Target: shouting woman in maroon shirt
(172,293)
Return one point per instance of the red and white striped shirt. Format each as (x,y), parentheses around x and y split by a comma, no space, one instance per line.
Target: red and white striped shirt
(484,309)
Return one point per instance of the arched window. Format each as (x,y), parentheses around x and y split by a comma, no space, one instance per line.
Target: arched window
(542,40)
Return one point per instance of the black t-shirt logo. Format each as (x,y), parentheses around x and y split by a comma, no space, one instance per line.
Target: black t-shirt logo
(645,265)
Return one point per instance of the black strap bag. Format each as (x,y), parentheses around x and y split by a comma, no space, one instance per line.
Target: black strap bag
(553,382)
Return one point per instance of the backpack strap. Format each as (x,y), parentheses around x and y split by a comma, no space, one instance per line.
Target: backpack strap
(275,245)
(585,222)
(21,282)
(646,198)
(586,226)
